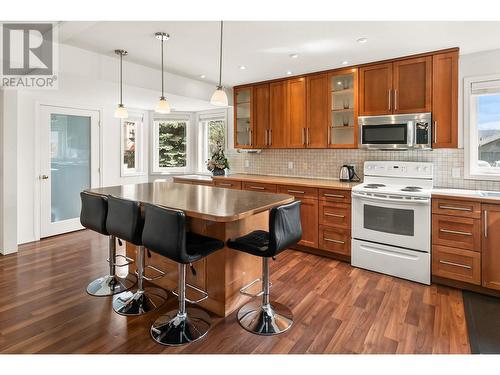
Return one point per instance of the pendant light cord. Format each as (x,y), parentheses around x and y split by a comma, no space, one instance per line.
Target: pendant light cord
(162,79)
(121,79)
(220,54)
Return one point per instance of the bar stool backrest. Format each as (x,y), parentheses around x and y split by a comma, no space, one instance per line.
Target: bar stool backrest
(285,228)
(94,212)
(125,220)
(165,232)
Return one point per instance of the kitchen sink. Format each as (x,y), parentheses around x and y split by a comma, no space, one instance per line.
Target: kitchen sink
(490,194)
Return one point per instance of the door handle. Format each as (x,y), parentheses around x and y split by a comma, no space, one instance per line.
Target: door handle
(303,136)
(435,131)
(266,136)
(395,99)
(44,177)
(308,137)
(390,106)
(485,224)
(328,134)
(270,137)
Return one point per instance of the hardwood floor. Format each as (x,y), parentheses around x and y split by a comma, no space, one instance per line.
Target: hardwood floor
(337,308)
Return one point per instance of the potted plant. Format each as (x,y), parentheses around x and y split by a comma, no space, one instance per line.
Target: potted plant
(218,162)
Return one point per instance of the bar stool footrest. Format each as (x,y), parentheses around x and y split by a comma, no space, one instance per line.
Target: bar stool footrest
(249,285)
(128,261)
(159,276)
(202,292)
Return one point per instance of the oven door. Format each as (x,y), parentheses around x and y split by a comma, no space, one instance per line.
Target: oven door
(393,221)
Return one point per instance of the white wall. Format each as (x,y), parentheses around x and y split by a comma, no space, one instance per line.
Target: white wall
(89,80)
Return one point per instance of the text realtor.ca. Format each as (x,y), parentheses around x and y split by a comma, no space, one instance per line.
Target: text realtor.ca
(28,56)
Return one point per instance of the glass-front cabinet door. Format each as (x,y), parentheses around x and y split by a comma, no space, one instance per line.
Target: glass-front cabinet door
(343,109)
(243,119)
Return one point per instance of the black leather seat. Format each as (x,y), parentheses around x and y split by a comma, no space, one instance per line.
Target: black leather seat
(285,230)
(165,233)
(125,221)
(93,216)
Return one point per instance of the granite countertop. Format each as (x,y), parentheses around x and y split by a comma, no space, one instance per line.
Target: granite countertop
(204,202)
(278,180)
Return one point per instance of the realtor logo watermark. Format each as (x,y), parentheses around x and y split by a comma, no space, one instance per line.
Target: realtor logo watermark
(28,56)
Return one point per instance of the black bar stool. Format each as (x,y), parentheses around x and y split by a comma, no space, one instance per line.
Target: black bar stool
(93,216)
(266,317)
(165,233)
(125,221)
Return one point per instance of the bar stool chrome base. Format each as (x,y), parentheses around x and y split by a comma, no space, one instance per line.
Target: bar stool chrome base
(140,302)
(109,285)
(267,320)
(175,329)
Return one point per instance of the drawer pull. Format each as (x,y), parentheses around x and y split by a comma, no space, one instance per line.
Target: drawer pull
(224,184)
(455,264)
(455,232)
(334,215)
(257,187)
(334,195)
(455,208)
(335,241)
(485,223)
(296,191)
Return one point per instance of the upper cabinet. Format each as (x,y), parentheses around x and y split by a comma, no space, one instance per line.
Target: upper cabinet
(403,86)
(278,114)
(317,100)
(243,117)
(261,115)
(298,133)
(445,100)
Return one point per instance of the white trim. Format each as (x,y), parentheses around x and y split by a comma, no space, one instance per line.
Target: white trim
(202,119)
(138,117)
(470,134)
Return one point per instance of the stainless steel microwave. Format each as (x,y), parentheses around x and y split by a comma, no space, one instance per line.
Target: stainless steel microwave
(396,132)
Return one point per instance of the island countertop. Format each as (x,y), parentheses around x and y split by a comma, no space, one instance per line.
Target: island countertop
(204,202)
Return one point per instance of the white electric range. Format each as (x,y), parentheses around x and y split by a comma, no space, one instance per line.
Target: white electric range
(391,219)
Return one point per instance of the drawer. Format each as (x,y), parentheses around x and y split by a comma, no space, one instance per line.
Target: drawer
(228,184)
(453,231)
(332,195)
(456,208)
(335,214)
(259,186)
(456,264)
(298,191)
(335,240)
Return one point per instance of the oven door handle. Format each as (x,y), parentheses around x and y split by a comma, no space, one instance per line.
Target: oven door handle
(401,201)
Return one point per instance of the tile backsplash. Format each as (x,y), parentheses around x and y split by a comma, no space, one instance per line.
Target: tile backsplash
(326,164)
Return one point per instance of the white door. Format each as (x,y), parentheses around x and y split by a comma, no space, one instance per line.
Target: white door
(69,157)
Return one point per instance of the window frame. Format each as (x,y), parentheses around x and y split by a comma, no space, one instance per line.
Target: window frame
(202,120)
(470,131)
(155,168)
(138,118)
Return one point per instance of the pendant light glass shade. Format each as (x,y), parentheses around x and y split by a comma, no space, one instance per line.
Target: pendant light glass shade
(162,106)
(219,97)
(121,111)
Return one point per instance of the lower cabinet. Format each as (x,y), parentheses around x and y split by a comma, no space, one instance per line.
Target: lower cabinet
(309,221)
(457,264)
(491,246)
(335,240)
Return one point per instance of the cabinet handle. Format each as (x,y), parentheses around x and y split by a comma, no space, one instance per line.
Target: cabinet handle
(435,131)
(250,135)
(334,215)
(224,184)
(332,240)
(455,208)
(308,137)
(266,136)
(329,136)
(395,99)
(270,137)
(455,232)
(296,191)
(303,136)
(257,187)
(485,223)
(390,106)
(455,264)
(333,195)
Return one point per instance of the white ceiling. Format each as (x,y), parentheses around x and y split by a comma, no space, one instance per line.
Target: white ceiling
(264,47)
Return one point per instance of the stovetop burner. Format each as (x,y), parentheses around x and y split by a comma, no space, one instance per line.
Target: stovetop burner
(411,188)
(374,186)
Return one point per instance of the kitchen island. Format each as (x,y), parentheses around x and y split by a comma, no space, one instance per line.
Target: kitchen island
(215,212)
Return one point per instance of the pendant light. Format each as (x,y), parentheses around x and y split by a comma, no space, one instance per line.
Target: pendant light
(121,111)
(219,97)
(162,106)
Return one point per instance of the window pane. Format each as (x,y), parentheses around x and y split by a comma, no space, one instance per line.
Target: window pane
(172,144)
(215,136)
(488,127)
(129,133)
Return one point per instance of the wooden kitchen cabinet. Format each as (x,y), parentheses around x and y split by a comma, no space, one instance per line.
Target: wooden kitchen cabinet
(445,100)
(491,246)
(261,115)
(457,264)
(278,114)
(454,231)
(375,90)
(317,110)
(309,221)
(243,117)
(412,85)
(298,133)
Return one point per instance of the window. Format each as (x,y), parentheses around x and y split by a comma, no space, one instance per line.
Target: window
(212,133)
(170,151)
(131,146)
(483,140)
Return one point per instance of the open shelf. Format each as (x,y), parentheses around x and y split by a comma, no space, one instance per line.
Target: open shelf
(343,91)
(343,110)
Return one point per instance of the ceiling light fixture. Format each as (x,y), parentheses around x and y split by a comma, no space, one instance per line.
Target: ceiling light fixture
(162,106)
(203,76)
(219,97)
(345,62)
(362,40)
(242,67)
(121,111)
(289,72)
(293,56)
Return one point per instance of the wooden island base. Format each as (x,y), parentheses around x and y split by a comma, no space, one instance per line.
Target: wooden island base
(221,274)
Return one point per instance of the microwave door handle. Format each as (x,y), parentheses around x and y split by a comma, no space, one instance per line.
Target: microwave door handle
(387,199)
(411,133)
